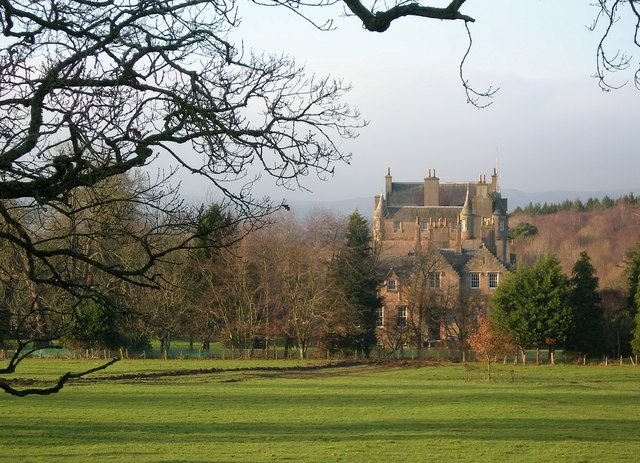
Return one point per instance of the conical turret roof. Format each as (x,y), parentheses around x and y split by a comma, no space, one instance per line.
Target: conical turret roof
(466,207)
(498,208)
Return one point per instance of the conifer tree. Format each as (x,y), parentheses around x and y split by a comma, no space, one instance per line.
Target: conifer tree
(586,335)
(633,276)
(354,276)
(531,305)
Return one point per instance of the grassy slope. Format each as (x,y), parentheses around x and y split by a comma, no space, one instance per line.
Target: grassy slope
(561,413)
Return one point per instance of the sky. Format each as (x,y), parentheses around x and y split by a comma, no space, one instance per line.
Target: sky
(550,124)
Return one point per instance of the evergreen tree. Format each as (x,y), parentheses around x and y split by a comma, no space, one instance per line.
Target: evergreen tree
(633,276)
(354,276)
(586,335)
(531,305)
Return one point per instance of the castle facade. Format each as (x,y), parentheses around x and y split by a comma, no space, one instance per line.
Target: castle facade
(443,248)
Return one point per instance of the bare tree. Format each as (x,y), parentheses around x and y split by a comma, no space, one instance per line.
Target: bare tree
(90,91)
(426,294)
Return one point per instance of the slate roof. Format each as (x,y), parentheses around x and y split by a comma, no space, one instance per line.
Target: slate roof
(457,261)
(406,194)
(453,194)
(402,265)
(412,194)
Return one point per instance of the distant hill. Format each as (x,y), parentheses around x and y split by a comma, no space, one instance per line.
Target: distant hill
(344,206)
(606,235)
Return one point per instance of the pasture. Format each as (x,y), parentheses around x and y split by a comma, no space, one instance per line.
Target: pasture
(270,411)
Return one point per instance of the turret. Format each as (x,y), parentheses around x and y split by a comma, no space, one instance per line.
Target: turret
(378,215)
(466,217)
(500,226)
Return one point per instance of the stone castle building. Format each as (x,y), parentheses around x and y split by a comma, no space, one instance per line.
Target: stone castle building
(442,249)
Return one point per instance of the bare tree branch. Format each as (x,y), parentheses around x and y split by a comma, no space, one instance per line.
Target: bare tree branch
(5,386)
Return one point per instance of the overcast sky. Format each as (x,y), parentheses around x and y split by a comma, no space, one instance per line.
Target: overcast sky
(551,124)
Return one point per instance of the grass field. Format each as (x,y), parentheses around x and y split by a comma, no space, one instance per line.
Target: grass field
(372,413)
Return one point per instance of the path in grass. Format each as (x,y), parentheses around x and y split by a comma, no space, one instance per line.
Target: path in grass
(360,413)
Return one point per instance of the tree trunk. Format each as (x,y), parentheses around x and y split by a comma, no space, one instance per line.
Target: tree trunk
(537,356)
(523,355)
(287,342)
(302,349)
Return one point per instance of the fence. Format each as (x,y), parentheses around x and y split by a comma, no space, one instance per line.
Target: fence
(279,353)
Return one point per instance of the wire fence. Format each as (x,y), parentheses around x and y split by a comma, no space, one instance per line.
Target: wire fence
(279,353)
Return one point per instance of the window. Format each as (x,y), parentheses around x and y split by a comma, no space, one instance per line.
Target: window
(402,316)
(397,226)
(379,317)
(493,280)
(392,285)
(424,226)
(501,225)
(434,279)
(475,280)
(463,225)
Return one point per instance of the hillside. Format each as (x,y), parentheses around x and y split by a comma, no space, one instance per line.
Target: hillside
(606,234)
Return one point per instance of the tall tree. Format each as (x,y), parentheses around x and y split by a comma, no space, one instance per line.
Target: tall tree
(586,335)
(353,275)
(633,276)
(531,305)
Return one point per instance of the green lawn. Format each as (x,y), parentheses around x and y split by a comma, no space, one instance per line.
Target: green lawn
(362,413)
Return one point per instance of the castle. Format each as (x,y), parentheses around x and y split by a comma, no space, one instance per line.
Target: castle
(442,250)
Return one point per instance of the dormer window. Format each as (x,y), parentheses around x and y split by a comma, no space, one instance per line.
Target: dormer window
(392,285)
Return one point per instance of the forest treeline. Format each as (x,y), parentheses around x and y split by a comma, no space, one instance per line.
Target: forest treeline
(591,204)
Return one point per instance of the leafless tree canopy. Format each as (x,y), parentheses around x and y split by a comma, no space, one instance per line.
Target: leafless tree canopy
(93,91)
(608,61)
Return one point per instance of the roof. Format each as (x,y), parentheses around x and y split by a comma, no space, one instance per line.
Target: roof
(457,261)
(453,194)
(412,194)
(406,194)
(401,265)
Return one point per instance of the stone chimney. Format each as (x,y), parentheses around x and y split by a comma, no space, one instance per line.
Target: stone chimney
(432,189)
(387,182)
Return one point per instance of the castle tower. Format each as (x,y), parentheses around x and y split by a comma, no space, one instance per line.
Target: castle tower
(378,217)
(466,218)
(501,225)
